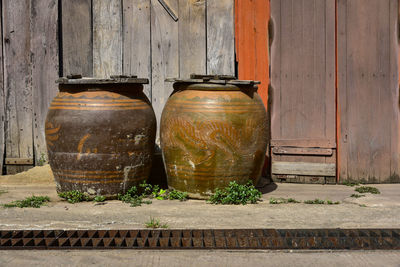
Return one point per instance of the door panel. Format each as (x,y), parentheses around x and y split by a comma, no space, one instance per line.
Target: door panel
(368,90)
(303,87)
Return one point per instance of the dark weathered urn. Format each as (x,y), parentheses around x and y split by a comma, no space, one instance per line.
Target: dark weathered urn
(213,131)
(100,135)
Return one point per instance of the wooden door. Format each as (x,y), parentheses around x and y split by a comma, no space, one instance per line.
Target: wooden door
(368,93)
(303,126)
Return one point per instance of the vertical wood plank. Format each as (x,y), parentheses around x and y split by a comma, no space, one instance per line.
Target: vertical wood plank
(2,100)
(17,75)
(330,69)
(164,57)
(394,41)
(44,42)
(137,43)
(276,69)
(77,41)
(262,10)
(247,42)
(192,37)
(220,37)
(107,38)
(342,89)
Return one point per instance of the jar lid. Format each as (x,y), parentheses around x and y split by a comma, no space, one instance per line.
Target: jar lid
(114,79)
(214,79)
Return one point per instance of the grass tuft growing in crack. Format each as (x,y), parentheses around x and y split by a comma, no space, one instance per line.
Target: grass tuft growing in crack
(29,202)
(155,223)
(281,200)
(321,202)
(356,195)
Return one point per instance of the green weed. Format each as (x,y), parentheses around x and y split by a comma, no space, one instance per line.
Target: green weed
(142,194)
(29,202)
(315,201)
(73,196)
(280,200)
(42,159)
(3,192)
(99,199)
(356,195)
(321,202)
(155,223)
(367,189)
(236,194)
(178,195)
(350,184)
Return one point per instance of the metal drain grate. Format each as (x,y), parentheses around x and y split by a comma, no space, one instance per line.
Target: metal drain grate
(202,239)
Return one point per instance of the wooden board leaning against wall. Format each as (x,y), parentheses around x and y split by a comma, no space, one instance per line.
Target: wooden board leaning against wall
(100,38)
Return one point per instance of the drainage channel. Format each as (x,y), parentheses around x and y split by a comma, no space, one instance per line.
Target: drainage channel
(361,239)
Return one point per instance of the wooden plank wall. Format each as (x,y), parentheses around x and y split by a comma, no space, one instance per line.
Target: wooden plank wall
(368,90)
(100,38)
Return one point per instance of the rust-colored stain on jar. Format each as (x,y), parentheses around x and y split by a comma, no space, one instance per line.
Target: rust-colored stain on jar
(213,132)
(100,135)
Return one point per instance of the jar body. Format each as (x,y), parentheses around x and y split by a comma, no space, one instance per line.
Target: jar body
(212,137)
(100,139)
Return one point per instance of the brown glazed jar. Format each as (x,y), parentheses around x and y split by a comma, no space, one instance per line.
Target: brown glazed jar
(213,131)
(100,135)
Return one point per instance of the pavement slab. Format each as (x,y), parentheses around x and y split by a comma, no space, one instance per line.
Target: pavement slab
(200,258)
(371,211)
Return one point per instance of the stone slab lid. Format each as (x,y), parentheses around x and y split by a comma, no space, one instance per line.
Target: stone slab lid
(114,79)
(216,79)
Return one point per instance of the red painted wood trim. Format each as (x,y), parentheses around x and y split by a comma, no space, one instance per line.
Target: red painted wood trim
(251,35)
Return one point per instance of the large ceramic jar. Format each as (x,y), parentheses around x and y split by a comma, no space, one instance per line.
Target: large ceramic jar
(213,131)
(100,135)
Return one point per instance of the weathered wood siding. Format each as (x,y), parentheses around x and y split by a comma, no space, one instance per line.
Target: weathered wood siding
(47,38)
(368,90)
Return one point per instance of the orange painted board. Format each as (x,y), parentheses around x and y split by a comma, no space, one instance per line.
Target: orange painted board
(251,18)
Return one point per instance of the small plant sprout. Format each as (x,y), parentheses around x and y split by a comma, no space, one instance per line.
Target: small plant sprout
(29,202)
(3,192)
(42,160)
(155,223)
